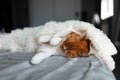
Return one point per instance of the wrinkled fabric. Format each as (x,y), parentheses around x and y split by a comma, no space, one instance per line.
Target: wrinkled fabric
(16,66)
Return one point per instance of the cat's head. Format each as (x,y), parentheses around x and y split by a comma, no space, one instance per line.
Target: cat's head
(75,45)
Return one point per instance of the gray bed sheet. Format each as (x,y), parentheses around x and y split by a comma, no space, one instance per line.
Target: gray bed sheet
(16,66)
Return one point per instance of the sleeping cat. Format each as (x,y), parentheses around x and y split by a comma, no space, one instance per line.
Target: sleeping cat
(45,40)
(78,48)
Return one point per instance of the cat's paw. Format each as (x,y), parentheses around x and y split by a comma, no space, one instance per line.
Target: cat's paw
(55,41)
(35,59)
(83,54)
(72,54)
(44,38)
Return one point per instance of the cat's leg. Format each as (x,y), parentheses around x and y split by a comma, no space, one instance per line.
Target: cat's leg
(45,34)
(44,37)
(57,38)
(43,52)
(38,57)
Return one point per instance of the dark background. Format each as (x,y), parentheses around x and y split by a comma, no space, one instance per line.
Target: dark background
(17,14)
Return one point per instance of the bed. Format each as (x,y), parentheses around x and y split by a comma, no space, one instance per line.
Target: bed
(16,66)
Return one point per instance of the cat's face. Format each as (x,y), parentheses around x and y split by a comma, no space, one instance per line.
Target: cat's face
(74,45)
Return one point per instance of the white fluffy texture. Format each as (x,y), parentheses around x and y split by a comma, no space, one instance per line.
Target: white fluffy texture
(20,40)
(31,39)
(45,51)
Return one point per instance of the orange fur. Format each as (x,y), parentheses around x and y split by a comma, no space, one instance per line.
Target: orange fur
(75,46)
